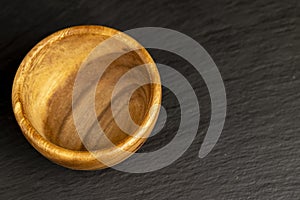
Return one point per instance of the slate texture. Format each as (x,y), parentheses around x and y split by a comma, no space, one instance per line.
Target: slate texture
(256,46)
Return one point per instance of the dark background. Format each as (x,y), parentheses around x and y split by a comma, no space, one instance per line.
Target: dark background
(256,46)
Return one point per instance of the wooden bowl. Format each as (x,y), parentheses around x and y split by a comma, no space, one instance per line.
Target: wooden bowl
(42,97)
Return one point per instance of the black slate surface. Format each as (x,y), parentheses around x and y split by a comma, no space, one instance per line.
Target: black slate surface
(256,46)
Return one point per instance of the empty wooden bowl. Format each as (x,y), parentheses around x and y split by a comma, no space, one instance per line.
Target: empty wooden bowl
(42,97)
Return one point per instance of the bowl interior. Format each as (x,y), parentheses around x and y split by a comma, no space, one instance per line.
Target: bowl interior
(48,85)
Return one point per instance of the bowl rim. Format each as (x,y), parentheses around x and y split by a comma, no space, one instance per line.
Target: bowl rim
(74,159)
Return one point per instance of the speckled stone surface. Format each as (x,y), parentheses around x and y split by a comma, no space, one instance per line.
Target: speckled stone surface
(256,46)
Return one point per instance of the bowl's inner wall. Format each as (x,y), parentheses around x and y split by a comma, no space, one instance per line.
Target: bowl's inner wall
(47,92)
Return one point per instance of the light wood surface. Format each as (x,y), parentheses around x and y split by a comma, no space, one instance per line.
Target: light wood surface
(42,97)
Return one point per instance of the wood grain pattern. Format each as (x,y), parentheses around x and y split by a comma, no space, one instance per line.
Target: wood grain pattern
(42,96)
(255,45)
